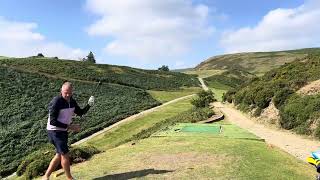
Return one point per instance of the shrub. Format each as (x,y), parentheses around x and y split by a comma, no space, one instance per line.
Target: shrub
(36,163)
(40,55)
(263,98)
(79,154)
(163,68)
(44,153)
(229,95)
(281,96)
(204,99)
(297,111)
(37,168)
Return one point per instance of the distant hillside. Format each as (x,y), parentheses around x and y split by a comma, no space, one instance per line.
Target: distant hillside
(228,79)
(145,79)
(282,86)
(255,62)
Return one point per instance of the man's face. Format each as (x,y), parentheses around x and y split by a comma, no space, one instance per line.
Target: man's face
(66,92)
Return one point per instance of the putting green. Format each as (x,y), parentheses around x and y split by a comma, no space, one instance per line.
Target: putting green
(221,130)
(202,129)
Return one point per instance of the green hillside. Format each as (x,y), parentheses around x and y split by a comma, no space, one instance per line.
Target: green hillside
(145,79)
(28,85)
(228,79)
(255,62)
(297,112)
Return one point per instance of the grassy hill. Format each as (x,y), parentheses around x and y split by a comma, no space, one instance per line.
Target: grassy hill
(297,112)
(144,79)
(254,62)
(224,72)
(228,79)
(28,85)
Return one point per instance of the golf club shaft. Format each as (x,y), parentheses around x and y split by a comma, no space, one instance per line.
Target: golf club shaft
(96,88)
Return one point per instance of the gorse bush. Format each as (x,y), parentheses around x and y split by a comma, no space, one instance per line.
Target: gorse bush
(229,95)
(45,153)
(204,98)
(36,163)
(139,78)
(298,111)
(281,96)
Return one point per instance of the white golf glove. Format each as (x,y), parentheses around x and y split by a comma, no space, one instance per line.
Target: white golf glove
(91,101)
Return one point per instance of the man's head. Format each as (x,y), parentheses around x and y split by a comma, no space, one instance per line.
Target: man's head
(66,91)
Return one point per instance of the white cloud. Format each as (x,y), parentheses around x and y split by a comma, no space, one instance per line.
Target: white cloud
(19,39)
(149,30)
(279,29)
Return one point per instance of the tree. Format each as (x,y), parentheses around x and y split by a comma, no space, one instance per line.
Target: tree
(90,58)
(40,55)
(163,68)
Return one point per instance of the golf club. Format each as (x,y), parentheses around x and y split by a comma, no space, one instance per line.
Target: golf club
(95,89)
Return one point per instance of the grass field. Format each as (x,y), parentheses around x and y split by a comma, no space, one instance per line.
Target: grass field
(218,89)
(204,73)
(218,93)
(165,96)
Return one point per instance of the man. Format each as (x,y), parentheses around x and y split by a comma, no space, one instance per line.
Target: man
(61,110)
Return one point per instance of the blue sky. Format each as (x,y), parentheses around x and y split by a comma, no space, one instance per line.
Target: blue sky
(150,33)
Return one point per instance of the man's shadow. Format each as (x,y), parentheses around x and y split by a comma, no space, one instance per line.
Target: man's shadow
(132,174)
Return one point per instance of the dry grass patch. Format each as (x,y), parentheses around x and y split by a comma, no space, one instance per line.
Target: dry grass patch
(185,160)
(117,70)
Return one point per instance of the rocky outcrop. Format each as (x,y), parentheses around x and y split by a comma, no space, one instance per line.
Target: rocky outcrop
(311,88)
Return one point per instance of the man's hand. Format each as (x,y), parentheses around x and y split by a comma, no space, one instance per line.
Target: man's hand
(91,101)
(74,127)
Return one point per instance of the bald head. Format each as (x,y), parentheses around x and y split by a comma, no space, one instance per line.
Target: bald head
(66,91)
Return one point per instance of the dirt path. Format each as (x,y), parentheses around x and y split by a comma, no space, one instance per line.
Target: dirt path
(131,118)
(294,144)
(203,84)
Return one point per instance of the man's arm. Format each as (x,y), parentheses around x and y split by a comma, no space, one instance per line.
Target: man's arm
(54,113)
(80,111)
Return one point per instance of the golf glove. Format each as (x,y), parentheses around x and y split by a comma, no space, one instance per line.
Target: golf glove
(91,101)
